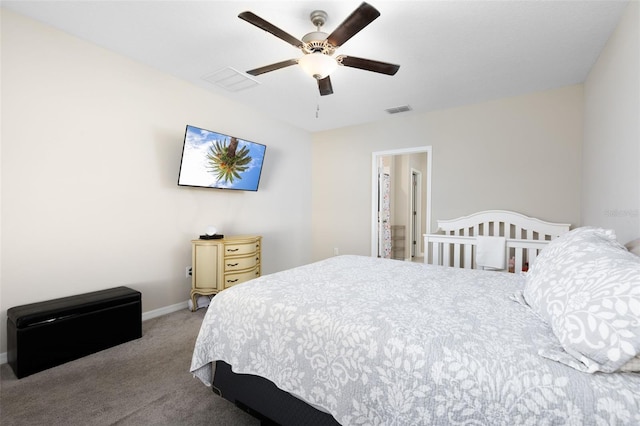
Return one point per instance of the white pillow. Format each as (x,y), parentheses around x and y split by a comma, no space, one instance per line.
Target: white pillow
(586,286)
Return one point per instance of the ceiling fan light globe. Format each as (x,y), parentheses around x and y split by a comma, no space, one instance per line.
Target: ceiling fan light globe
(318,65)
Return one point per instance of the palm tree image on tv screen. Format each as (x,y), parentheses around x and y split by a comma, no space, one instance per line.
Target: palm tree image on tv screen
(215,160)
(226,162)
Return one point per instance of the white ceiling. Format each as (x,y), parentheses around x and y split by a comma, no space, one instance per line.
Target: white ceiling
(450,52)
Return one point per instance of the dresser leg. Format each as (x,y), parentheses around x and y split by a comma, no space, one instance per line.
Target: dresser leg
(194,302)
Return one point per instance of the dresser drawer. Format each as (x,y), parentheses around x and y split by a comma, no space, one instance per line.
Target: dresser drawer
(239,263)
(240,249)
(233,279)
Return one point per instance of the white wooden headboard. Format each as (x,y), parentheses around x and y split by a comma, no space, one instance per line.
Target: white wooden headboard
(456,245)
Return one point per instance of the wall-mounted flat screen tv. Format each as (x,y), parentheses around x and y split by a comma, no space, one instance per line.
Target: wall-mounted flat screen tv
(215,160)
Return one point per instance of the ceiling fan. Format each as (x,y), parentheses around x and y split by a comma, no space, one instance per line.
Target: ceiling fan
(318,47)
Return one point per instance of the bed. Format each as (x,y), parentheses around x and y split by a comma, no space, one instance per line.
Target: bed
(360,340)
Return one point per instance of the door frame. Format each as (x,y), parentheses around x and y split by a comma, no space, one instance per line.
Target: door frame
(375,159)
(416,218)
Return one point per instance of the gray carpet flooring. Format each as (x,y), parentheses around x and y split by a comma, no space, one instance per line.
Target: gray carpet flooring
(142,382)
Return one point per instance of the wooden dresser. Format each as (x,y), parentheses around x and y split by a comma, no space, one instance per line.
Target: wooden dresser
(220,264)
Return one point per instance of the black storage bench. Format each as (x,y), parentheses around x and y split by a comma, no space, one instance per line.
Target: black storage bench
(45,334)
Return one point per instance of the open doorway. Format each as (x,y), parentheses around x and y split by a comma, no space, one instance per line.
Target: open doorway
(401,202)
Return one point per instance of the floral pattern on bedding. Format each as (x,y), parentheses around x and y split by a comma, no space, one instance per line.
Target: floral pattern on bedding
(386,342)
(586,286)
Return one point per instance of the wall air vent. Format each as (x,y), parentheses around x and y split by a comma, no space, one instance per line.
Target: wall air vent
(399,109)
(231,79)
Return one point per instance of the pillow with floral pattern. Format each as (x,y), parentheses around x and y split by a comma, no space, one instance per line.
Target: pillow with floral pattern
(586,286)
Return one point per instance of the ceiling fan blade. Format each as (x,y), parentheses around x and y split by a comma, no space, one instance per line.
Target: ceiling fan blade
(254,19)
(368,64)
(273,67)
(359,18)
(324,84)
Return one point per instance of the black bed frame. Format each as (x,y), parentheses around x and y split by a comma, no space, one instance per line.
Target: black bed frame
(264,401)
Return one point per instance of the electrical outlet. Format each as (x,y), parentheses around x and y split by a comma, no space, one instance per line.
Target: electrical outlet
(187,271)
(336,252)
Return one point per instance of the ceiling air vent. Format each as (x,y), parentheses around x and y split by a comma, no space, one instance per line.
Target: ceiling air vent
(399,109)
(231,79)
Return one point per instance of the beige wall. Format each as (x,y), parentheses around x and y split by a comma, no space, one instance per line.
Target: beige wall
(611,166)
(521,154)
(91,145)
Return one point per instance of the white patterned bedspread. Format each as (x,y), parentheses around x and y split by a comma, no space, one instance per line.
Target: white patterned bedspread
(386,342)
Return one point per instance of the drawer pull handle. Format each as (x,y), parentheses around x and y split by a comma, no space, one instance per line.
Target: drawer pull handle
(257,274)
(232,281)
(232,250)
(232,264)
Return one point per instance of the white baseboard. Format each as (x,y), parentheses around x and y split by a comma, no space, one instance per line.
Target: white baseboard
(164,310)
(145,316)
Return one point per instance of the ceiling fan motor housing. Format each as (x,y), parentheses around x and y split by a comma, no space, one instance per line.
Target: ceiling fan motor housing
(315,41)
